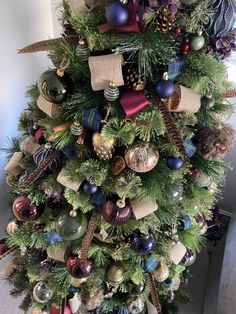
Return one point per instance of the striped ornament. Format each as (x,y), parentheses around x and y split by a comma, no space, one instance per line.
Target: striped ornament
(111,92)
(77,128)
(42,154)
(82,50)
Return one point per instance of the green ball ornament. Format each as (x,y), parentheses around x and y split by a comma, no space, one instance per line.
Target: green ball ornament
(174,193)
(197,42)
(203,181)
(71,226)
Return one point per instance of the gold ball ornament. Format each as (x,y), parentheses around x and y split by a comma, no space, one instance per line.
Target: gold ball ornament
(104,149)
(76,282)
(115,275)
(12,227)
(142,157)
(161,273)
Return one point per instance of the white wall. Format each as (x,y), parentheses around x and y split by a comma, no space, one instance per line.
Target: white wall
(22,22)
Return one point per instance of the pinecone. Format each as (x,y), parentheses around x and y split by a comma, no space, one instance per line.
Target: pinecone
(133,80)
(164,20)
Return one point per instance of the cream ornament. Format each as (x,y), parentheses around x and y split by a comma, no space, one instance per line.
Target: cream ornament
(161,273)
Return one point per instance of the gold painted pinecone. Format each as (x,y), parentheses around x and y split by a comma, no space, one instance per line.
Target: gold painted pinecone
(164,20)
(104,149)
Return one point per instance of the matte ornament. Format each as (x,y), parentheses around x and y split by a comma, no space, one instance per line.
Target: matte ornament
(13,166)
(71,228)
(24,210)
(118,165)
(202,181)
(115,275)
(82,50)
(111,92)
(197,42)
(149,264)
(142,243)
(12,227)
(165,87)
(133,102)
(117,14)
(51,238)
(77,128)
(29,145)
(79,268)
(89,188)
(55,88)
(65,180)
(42,153)
(174,163)
(115,215)
(142,157)
(41,294)
(48,107)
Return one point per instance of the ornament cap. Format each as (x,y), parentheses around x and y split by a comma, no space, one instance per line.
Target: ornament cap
(165,76)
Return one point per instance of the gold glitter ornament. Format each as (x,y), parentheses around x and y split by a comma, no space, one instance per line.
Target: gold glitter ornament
(161,273)
(12,227)
(104,149)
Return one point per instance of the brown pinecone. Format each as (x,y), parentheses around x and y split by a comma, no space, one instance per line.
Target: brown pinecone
(164,20)
(133,80)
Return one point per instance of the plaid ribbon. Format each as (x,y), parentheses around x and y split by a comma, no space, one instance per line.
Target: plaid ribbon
(124,310)
(51,238)
(149,264)
(98,200)
(73,289)
(190,147)
(69,150)
(175,68)
(91,119)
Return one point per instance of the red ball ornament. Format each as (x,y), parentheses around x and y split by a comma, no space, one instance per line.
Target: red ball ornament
(194,173)
(177,30)
(79,268)
(115,215)
(24,210)
(56,310)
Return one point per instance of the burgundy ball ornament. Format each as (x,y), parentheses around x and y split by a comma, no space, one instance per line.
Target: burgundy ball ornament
(24,210)
(174,163)
(117,14)
(89,188)
(114,214)
(55,88)
(142,243)
(165,87)
(79,268)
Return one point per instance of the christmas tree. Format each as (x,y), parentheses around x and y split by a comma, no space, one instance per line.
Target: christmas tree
(120,156)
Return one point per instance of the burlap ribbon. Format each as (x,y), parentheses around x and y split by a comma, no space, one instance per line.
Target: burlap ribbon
(184,100)
(177,253)
(85,6)
(143,208)
(51,109)
(105,69)
(64,179)
(29,145)
(13,166)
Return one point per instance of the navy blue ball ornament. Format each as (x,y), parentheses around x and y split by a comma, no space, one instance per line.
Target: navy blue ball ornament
(185,222)
(190,147)
(142,243)
(89,188)
(33,129)
(117,14)
(174,163)
(165,87)
(42,153)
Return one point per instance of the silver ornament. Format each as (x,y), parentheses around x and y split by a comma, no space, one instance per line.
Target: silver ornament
(135,306)
(77,128)
(111,92)
(142,157)
(41,294)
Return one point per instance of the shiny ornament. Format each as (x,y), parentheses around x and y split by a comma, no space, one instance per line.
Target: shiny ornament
(135,306)
(10,180)
(115,215)
(197,42)
(141,157)
(177,30)
(185,49)
(202,181)
(213,188)
(75,282)
(208,102)
(55,88)
(24,210)
(104,149)
(170,296)
(79,268)
(190,147)
(174,163)
(111,92)
(135,290)
(41,154)
(161,273)
(77,128)
(164,19)
(114,275)
(39,136)
(189,258)
(82,50)
(165,87)
(174,193)
(223,18)
(89,188)
(41,294)
(142,243)
(201,221)
(12,227)
(71,228)
(117,14)
(185,222)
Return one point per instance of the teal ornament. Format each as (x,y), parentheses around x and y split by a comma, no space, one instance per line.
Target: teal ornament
(77,128)
(174,193)
(197,42)
(202,181)
(71,228)
(111,92)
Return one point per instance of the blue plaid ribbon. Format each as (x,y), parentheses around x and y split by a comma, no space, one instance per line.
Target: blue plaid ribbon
(124,310)
(51,238)
(98,200)
(73,289)
(190,147)
(149,264)
(175,68)
(69,150)
(91,119)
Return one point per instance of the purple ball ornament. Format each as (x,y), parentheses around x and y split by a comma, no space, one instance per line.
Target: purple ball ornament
(79,268)
(115,215)
(142,243)
(89,188)
(24,210)
(117,14)
(165,87)
(174,163)
(189,258)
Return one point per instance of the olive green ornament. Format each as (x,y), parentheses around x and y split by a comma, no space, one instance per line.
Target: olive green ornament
(174,193)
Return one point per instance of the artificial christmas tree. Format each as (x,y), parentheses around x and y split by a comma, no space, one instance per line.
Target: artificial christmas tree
(113,170)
